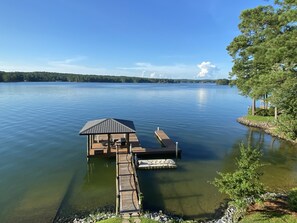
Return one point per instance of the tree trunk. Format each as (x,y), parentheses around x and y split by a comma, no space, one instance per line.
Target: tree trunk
(275,113)
(266,101)
(253,106)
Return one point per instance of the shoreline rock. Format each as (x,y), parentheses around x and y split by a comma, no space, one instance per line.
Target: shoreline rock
(157,216)
(162,217)
(265,126)
(93,218)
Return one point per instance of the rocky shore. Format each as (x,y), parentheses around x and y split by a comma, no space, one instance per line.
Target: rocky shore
(93,218)
(229,215)
(159,217)
(266,127)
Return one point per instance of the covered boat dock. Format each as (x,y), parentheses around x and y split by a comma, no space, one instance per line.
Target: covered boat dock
(105,136)
(109,135)
(117,137)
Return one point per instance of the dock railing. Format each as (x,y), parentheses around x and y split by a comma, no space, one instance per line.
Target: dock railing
(139,194)
(117,184)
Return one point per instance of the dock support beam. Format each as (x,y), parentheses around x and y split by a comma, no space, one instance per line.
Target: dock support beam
(108,143)
(176,150)
(88,145)
(127,136)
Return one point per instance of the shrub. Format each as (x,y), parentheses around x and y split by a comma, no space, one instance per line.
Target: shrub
(262,111)
(287,125)
(243,186)
(292,199)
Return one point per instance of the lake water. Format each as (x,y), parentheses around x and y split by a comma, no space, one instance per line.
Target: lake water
(43,167)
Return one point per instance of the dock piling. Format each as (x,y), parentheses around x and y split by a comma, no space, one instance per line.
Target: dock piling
(176,149)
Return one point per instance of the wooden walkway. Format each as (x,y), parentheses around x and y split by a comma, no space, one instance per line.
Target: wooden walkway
(127,186)
(128,191)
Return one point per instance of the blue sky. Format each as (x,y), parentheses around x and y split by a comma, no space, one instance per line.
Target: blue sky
(150,38)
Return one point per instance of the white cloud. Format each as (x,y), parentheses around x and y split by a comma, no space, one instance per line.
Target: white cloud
(69,65)
(161,71)
(72,65)
(207,70)
(143,73)
(68,60)
(153,75)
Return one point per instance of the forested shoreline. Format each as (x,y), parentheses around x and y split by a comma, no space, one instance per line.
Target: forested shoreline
(69,77)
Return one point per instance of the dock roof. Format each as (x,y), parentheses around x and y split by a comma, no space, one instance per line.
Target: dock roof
(107,125)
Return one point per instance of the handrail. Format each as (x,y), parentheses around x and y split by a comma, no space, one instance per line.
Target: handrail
(117,183)
(136,182)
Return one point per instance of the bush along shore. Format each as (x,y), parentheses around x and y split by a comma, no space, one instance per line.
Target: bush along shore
(266,126)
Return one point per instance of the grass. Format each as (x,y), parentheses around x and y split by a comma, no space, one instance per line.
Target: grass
(111,220)
(147,220)
(119,220)
(271,211)
(257,118)
(274,217)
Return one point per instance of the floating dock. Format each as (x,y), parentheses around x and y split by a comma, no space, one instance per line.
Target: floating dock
(165,140)
(156,164)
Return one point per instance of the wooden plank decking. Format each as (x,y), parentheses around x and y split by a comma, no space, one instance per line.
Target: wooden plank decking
(100,145)
(127,188)
(169,146)
(164,139)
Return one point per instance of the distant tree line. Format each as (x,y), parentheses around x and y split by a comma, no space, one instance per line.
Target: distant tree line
(222,82)
(68,77)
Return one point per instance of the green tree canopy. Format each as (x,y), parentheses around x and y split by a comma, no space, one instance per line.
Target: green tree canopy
(265,53)
(265,57)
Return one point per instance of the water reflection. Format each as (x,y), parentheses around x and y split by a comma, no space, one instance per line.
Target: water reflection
(279,159)
(99,182)
(201,96)
(91,189)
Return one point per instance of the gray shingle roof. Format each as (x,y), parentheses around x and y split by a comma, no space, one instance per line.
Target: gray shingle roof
(107,125)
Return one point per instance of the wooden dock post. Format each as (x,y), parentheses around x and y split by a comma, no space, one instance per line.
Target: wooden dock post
(176,149)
